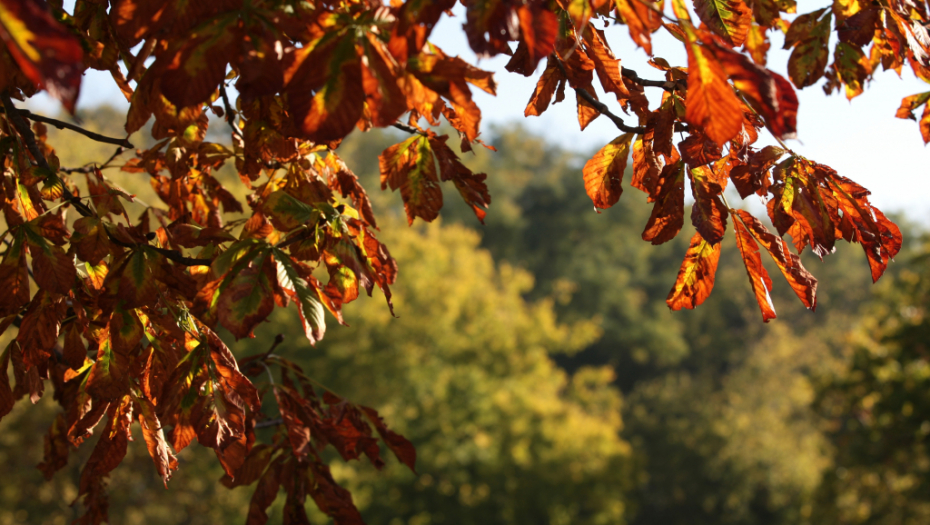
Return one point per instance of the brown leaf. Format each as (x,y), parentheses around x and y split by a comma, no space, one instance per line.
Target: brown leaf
(711,102)
(708,214)
(801,281)
(758,276)
(695,279)
(668,213)
(604,172)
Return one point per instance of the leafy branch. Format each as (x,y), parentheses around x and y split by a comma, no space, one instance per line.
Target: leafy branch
(60,124)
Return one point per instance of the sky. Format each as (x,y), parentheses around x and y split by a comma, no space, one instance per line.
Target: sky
(861,139)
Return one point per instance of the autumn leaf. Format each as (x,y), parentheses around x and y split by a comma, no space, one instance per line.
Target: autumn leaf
(545,88)
(708,214)
(471,186)
(410,166)
(911,103)
(758,276)
(711,102)
(729,19)
(809,35)
(14,277)
(801,281)
(668,213)
(246,298)
(695,279)
(326,102)
(399,445)
(46,52)
(604,172)
(538,29)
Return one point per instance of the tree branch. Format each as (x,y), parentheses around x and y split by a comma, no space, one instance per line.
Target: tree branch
(667,85)
(15,115)
(66,125)
(269,423)
(597,104)
(403,127)
(229,111)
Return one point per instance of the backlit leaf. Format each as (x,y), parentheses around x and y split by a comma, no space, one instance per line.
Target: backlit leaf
(603,173)
(729,19)
(695,278)
(758,276)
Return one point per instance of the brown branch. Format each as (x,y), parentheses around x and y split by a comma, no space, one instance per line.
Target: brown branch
(597,104)
(229,111)
(269,423)
(403,127)
(16,116)
(667,85)
(66,125)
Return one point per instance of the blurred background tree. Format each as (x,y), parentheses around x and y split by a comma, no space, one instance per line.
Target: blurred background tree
(543,380)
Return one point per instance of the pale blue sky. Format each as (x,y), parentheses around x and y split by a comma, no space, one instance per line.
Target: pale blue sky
(861,139)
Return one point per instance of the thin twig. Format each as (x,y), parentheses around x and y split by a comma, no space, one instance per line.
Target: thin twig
(66,125)
(270,423)
(229,111)
(278,339)
(403,127)
(597,104)
(16,116)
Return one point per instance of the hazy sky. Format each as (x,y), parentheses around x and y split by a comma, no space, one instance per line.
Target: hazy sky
(861,139)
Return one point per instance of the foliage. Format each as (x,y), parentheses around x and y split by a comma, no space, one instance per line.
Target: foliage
(146,297)
(879,411)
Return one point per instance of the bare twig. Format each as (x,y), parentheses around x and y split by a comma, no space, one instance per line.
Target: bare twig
(229,111)
(278,339)
(403,127)
(66,125)
(270,423)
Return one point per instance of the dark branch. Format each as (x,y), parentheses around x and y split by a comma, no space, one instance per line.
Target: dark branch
(598,105)
(270,423)
(403,127)
(16,116)
(66,125)
(229,111)
(667,85)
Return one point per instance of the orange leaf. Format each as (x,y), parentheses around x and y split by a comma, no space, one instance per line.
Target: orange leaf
(668,212)
(604,172)
(410,166)
(711,102)
(696,277)
(730,19)
(47,52)
(539,28)
(801,281)
(758,276)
